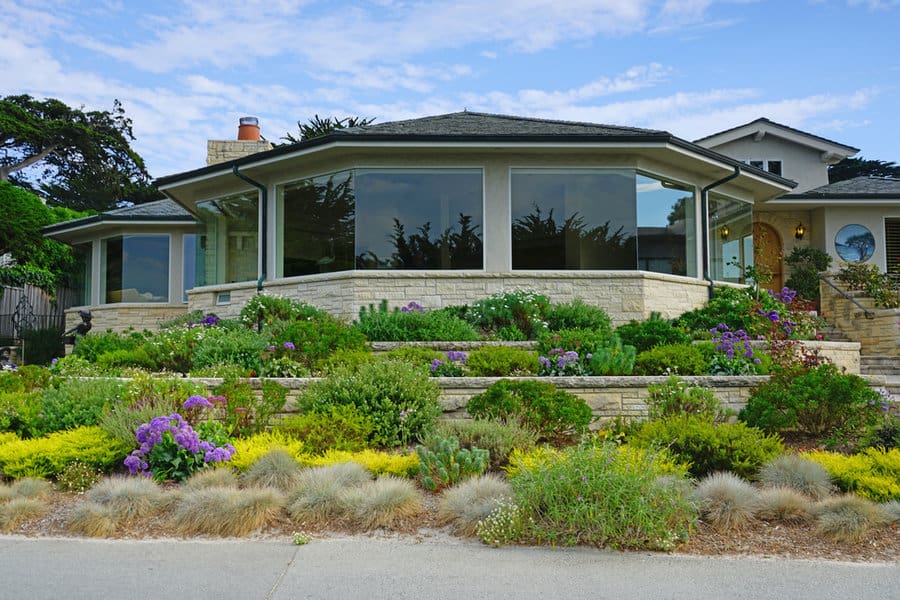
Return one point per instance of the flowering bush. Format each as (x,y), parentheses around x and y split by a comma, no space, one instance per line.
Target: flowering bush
(735,355)
(519,310)
(454,366)
(562,363)
(171,450)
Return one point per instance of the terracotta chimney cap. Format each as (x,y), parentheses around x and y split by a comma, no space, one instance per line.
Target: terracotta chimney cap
(248,129)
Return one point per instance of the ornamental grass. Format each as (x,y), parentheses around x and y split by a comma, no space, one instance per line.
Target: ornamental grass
(847,518)
(783,504)
(207,478)
(226,511)
(471,501)
(316,498)
(276,469)
(727,502)
(29,487)
(17,510)
(383,503)
(128,498)
(798,473)
(94,520)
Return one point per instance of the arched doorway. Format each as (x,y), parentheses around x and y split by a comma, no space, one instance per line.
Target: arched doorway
(768,253)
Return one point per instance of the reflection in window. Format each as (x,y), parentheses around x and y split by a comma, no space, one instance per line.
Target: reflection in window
(317,225)
(191,260)
(573,219)
(135,268)
(229,242)
(419,219)
(666,219)
(81,274)
(730,238)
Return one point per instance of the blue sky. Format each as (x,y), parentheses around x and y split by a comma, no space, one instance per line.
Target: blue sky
(186,70)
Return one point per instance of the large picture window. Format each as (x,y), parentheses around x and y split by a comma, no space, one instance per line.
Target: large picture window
(230,239)
(135,268)
(730,238)
(666,218)
(573,219)
(81,274)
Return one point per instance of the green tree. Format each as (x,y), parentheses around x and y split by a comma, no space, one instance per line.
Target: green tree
(317,127)
(855,167)
(51,142)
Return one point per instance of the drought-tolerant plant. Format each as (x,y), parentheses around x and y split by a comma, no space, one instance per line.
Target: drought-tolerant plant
(17,510)
(128,497)
(562,363)
(892,510)
(344,358)
(577,314)
(518,310)
(245,412)
(20,413)
(472,500)
(401,401)
(820,401)
(413,324)
(341,427)
(29,487)
(443,463)
(241,347)
(453,364)
(385,502)
(501,361)
(499,439)
(47,456)
(277,469)
(503,525)
(726,501)
(783,504)
(94,520)
(797,473)
(316,498)
(226,511)
(208,478)
(582,341)
(676,397)
(95,344)
(735,353)
(600,496)
(251,448)
(680,359)
(614,358)
(116,360)
(847,518)
(870,280)
(418,356)
(310,342)
(872,473)
(263,309)
(377,463)
(708,447)
(78,477)
(884,432)
(77,402)
(653,332)
(535,405)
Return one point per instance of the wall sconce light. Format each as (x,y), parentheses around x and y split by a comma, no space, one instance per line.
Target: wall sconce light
(723,232)
(799,231)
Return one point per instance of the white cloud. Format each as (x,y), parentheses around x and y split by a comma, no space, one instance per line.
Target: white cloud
(875,4)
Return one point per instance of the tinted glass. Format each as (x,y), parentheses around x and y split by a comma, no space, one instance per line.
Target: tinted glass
(666,225)
(136,268)
(230,239)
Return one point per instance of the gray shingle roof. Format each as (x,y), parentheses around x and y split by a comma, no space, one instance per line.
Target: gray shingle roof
(165,211)
(782,126)
(864,186)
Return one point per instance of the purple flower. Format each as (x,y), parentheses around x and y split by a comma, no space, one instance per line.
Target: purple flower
(209,320)
(289,346)
(197,402)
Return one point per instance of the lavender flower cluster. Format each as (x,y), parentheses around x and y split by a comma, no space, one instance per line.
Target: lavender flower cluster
(207,321)
(413,307)
(729,342)
(452,367)
(168,429)
(562,363)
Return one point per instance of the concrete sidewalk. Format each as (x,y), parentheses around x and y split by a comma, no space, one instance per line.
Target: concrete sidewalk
(395,569)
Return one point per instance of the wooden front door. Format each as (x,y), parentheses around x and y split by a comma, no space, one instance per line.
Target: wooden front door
(768,254)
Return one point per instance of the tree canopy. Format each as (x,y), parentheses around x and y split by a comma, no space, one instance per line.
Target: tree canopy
(855,167)
(317,127)
(74,157)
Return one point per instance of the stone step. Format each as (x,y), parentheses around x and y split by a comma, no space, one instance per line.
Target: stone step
(832,334)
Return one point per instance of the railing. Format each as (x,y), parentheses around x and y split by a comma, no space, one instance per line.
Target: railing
(868,314)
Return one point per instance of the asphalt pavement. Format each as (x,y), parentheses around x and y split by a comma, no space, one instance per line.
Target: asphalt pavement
(372,568)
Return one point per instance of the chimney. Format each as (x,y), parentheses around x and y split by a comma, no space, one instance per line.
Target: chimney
(248,142)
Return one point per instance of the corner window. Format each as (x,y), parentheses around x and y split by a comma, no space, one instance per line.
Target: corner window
(666,217)
(135,268)
(229,242)
(730,238)
(573,219)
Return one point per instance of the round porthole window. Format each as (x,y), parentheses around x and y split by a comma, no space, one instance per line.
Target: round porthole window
(854,243)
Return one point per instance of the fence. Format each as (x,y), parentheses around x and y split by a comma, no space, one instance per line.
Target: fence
(25,310)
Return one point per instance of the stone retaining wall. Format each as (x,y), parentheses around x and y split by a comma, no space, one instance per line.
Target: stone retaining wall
(122,317)
(878,334)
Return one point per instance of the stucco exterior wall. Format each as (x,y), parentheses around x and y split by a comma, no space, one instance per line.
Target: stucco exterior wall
(872,217)
(624,295)
(800,163)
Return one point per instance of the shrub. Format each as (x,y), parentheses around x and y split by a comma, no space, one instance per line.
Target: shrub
(797,473)
(43,344)
(783,504)
(677,397)
(708,447)
(873,473)
(240,347)
(582,341)
(246,412)
(346,359)
(77,402)
(470,501)
(317,496)
(499,439)
(377,463)
(819,401)
(75,366)
(680,359)
(726,501)
(736,308)
(612,359)
(385,502)
(443,463)
(78,477)
(577,314)
(226,511)
(47,456)
(276,469)
(340,428)
(847,518)
(401,401)
(267,310)
(20,413)
(806,263)
(95,344)
(418,356)
(535,405)
(17,510)
(653,332)
(247,450)
(599,496)
(501,361)
(313,341)
(413,325)
(518,310)
(117,359)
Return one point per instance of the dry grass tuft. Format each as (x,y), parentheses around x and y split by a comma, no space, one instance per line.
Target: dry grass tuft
(892,510)
(801,474)
(29,487)
(726,501)
(847,518)
(226,511)
(6,493)
(205,478)
(316,498)
(276,469)
(94,520)
(15,511)
(128,497)
(783,504)
(470,501)
(383,503)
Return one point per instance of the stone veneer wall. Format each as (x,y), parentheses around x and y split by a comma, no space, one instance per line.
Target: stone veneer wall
(879,335)
(219,151)
(625,295)
(121,317)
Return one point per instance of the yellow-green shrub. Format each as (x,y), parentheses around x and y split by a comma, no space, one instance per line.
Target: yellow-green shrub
(872,474)
(47,456)
(7,436)
(533,460)
(250,449)
(378,463)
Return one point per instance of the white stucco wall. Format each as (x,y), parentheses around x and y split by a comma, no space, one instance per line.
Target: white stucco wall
(799,163)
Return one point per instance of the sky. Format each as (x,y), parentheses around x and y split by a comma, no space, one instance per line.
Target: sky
(186,70)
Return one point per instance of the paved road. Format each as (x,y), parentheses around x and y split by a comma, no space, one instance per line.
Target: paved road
(372,568)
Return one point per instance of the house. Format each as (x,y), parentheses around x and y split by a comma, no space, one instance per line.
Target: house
(455,207)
